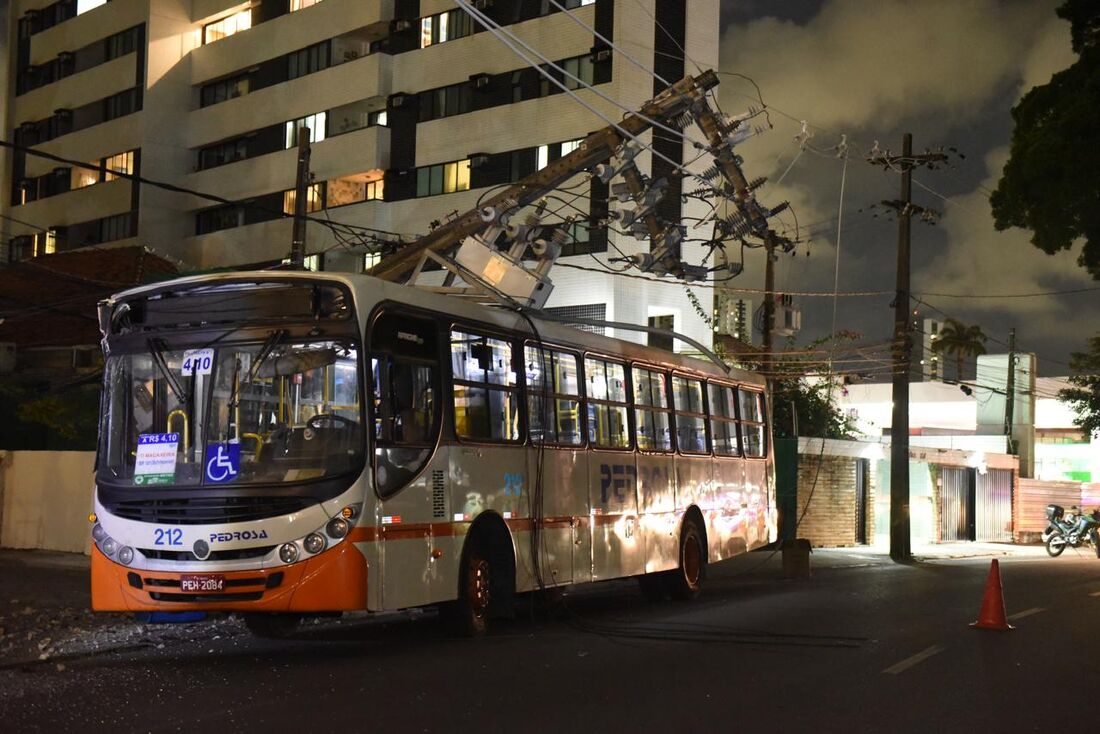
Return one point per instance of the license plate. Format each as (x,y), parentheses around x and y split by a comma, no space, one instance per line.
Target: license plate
(202,583)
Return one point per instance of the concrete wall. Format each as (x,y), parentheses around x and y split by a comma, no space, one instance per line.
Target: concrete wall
(1033,495)
(45,498)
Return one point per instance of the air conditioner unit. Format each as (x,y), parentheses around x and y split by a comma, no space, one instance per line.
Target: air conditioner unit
(399,99)
(478,159)
(399,26)
(601,53)
(480,80)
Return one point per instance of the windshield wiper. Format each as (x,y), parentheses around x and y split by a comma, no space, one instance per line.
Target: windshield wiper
(273,340)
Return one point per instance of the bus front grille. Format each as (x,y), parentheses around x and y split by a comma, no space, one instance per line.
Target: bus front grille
(225,555)
(207,510)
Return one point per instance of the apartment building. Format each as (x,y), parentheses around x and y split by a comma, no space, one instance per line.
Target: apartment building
(414,112)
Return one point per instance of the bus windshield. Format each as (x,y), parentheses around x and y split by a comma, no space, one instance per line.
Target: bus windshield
(261,412)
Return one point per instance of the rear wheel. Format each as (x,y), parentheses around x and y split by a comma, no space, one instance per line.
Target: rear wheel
(272,626)
(684,582)
(1056,544)
(468,616)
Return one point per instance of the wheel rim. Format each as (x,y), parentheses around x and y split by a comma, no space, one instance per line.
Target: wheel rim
(693,560)
(477,586)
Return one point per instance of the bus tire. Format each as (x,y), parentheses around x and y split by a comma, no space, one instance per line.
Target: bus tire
(468,615)
(685,581)
(272,626)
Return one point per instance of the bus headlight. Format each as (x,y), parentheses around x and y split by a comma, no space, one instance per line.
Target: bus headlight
(98,533)
(288,552)
(125,555)
(109,546)
(314,543)
(337,528)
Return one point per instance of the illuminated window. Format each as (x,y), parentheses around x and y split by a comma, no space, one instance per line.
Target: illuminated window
(353,189)
(570,145)
(316,125)
(83,6)
(370,260)
(542,157)
(81,177)
(425,32)
(445,27)
(226,27)
(121,163)
(302,4)
(312,262)
(313,199)
(443,178)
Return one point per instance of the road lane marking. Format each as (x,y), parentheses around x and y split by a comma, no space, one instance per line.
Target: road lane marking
(1026,613)
(909,662)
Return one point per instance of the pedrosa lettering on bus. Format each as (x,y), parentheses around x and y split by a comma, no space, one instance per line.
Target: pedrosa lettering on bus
(238,535)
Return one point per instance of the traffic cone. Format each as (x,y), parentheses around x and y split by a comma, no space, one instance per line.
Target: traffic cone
(992,615)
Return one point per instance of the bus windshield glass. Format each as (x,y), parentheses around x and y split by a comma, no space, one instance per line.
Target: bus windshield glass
(265,412)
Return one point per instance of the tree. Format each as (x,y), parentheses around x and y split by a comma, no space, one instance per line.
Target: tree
(961,341)
(813,402)
(1084,396)
(1051,183)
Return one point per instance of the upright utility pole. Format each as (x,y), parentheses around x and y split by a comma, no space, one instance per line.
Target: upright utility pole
(769,301)
(1010,390)
(301,197)
(899,425)
(900,545)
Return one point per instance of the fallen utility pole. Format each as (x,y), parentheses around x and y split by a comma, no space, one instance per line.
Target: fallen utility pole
(900,533)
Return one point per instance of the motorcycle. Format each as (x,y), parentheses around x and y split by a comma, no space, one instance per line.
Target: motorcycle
(1075,529)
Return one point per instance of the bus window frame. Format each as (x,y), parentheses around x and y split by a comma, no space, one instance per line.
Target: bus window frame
(705,415)
(623,362)
(480,330)
(667,410)
(731,420)
(582,418)
(766,449)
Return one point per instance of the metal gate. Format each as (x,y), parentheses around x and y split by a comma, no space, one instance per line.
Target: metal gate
(956,504)
(863,468)
(993,505)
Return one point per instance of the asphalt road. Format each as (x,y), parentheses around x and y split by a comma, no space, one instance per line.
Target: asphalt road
(864,645)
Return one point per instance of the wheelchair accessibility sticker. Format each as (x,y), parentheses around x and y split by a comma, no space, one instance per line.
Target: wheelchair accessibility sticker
(223,461)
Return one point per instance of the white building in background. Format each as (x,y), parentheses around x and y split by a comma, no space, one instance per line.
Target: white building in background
(943,416)
(414,114)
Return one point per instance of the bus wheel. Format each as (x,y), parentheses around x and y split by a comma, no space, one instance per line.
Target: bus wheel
(685,581)
(652,586)
(468,616)
(272,626)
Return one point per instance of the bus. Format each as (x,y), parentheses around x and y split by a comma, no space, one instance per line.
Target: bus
(283,444)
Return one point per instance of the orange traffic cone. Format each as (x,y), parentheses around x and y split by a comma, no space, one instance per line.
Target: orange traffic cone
(992,616)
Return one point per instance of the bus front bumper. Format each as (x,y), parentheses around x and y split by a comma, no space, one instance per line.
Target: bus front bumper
(335,580)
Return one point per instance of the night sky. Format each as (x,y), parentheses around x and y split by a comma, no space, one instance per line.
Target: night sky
(948,72)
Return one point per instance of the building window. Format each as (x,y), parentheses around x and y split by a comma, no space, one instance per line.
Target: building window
(553,397)
(296,5)
(308,61)
(226,27)
(222,153)
(121,104)
(446,101)
(608,426)
(445,27)
(443,178)
(118,227)
(370,260)
(123,43)
(81,176)
(316,125)
(222,217)
(83,6)
(651,416)
(691,419)
(486,394)
(313,199)
(354,189)
(664,340)
(580,67)
(224,89)
(120,163)
(314,263)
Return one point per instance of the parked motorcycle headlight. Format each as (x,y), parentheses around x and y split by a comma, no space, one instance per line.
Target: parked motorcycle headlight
(314,543)
(288,553)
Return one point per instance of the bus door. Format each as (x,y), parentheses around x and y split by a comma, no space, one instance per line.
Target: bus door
(618,548)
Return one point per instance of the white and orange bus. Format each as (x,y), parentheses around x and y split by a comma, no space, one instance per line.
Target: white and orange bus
(283,443)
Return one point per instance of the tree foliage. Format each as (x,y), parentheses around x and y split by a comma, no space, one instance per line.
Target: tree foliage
(1084,396)
(961,341)
(1051,183)
(814,402)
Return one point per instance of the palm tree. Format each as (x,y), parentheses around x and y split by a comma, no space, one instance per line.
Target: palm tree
(960,340)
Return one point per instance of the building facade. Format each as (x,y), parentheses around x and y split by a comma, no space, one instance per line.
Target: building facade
(414,113)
